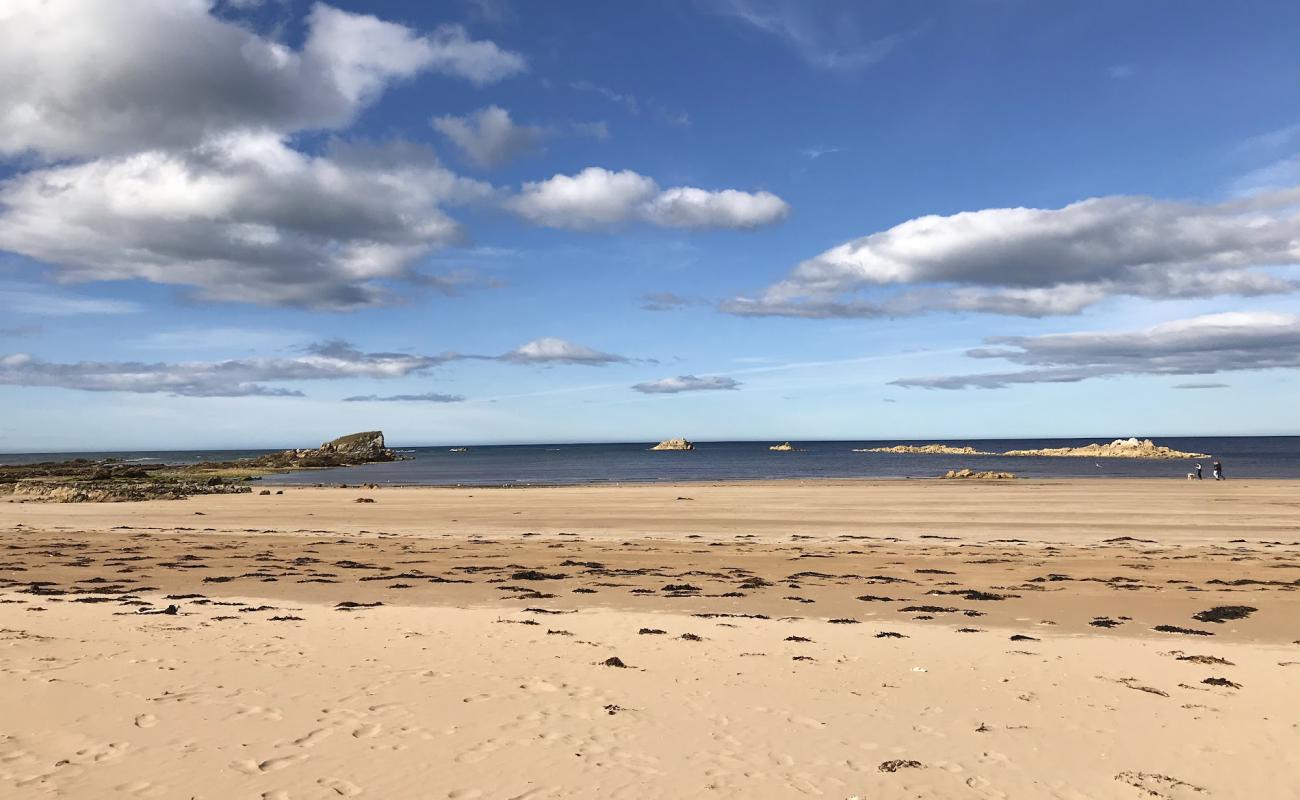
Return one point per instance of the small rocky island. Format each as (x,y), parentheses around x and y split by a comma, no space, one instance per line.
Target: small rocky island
(1120,448)
(83,480)
(927,449)
(346,451)
(674,444)
(979,476)
(784,447)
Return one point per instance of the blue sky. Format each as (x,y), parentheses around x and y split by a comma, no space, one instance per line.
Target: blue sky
(268,223)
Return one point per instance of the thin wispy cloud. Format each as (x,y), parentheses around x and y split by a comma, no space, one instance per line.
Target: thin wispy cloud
(814,153)
(829,41)
(427,397)
(634,105)
(1205,345)
(251,377)
(39,301)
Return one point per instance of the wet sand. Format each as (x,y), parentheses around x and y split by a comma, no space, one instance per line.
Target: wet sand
(888,639)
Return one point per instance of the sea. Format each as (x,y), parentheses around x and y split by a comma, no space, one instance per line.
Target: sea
(634,462)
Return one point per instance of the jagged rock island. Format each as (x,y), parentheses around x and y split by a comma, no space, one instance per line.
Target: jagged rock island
(1120,448)
(784,447)
(674,444)
(366,447)
(927,449)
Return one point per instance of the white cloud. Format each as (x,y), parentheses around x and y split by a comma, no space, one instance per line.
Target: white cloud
(1035,262)
(688,207)
(598,197)
(243,218)
(594,197)
(687,383)
(86,78)
(1205,345)
(488,136)
(550,350)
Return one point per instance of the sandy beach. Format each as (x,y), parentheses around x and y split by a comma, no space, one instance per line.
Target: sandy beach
(874,639)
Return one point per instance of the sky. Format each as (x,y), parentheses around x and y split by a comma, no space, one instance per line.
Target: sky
(267,223)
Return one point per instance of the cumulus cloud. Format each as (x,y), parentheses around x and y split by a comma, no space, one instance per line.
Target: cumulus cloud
(427,397)
(85,78)
(242,218)
(594,197)
(1036,262)
(686,383)
(1204,345)
(598,197)
(550,350)
(170,132)
(489,137)
(688,207)
(231,378)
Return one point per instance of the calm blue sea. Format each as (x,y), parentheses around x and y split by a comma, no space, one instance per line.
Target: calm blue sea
(567,464)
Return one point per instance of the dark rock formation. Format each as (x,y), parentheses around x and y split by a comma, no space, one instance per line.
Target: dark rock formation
(356,448)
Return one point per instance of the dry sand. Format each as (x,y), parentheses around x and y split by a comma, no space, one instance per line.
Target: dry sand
(900,639)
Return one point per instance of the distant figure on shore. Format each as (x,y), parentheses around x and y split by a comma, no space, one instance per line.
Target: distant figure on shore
(1198,471)
(1218,471)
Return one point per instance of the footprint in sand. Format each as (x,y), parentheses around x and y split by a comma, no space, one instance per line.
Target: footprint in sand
(270,714)
(250,767)
(146,721)
(142,789)
(101,753)
(313,738)
(340,787)
(367,731)
(983,788)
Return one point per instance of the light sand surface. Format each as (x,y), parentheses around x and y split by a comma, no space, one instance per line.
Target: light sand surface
(1205,511)
(980,640)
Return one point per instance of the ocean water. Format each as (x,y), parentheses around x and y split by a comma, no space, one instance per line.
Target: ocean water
(567,464)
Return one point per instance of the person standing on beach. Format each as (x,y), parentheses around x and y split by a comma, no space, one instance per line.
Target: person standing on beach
(1218,471)
(1198,471)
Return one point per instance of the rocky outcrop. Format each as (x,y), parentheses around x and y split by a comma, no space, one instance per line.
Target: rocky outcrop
(928,450)
(674,444)
(1120,448)
(784,447)
(115,491)
(346,451)
(979,476)
(82,480)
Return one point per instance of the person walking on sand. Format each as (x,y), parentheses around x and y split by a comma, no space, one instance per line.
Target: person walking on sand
(1198,471)
(1218,471)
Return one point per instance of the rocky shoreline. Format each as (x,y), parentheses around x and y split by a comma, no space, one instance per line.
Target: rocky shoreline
(84,480)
